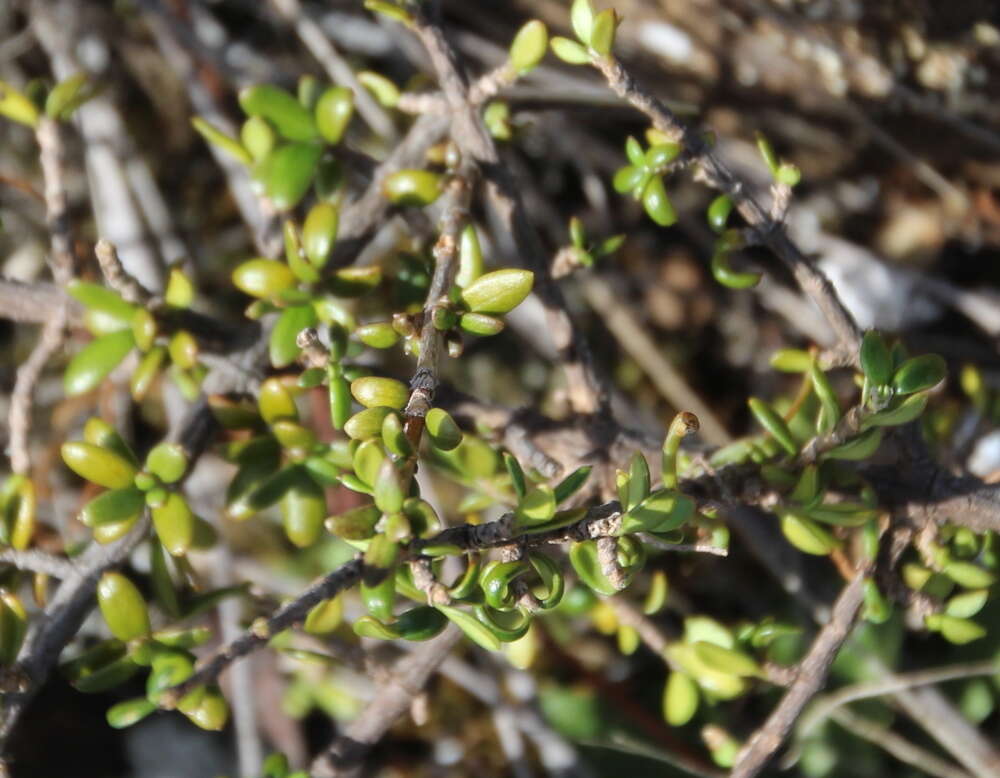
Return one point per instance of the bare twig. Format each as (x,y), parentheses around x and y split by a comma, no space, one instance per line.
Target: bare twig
(110,153)
(35,303)
(38,562)
(392,700)
(586,390)
(61,262)
(812,672)
(427,377)
(826,706)
(901,748)
(263,630)
(115,274)
(770,233)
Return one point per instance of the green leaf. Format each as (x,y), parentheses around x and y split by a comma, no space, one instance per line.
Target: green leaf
(859,448)
(380,597)
(569,51)
(280,108)
(284,348)
(333,113)
(919,373)
(287,172)
(96,360)
(727,276)
(806,535)
(727,660)
(827,397)
(368,459)
(638,481)
(169,668)
(320,232)
(123,607)
(129,712)
(174,523)
(680,699)
(505,626)
(657,204)
(662,154)
(791,360)
(263,495)
(571,484)
(113,506)
(212,713)
(969,574)
(144,375)
(475,630)
(106,310)
(627,178)
(356,523)
(537,506)
(470,257)
(442,429)
(664,510)
(99,465)
(258,138)
(602,34)
(388,492)
(13,627)
(498,292)
(583,558)
(807,487)
(480,324)
(774,424)
(386,92)
(788,174)
(340,400)
(905,412)
(303,507)
(324,617)
(955,630)
(14,105)
(167,461)
(390,10)
(412,187)
(222,141)
(967,604)
(717,684)
(876,362)
(368,423)
(767,153)
(516,475)
(718,212)
(370,627)
(263,278)
(529,46)
(379,334)
(375,391)
(581,16)
(496,579)
(276,402)
(420,623)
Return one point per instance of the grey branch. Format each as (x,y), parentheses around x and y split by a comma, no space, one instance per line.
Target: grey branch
(812,672)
